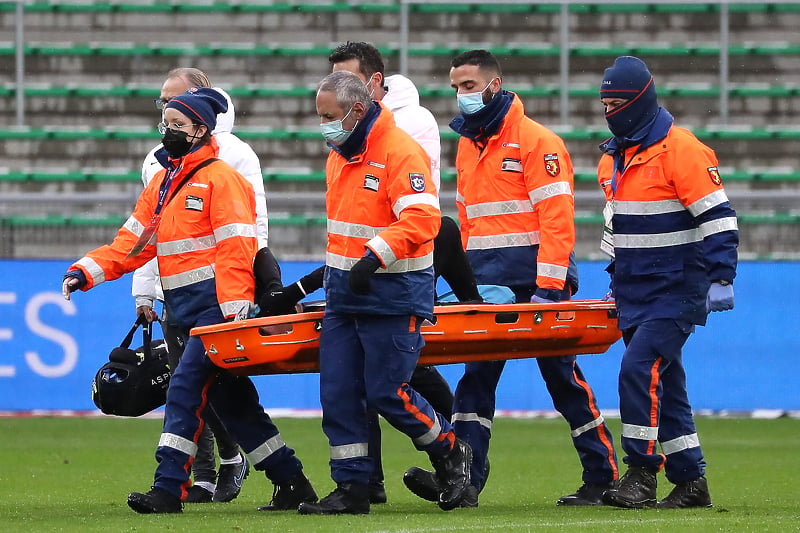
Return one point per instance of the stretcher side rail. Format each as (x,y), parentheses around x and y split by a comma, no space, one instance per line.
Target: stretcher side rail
(458,334)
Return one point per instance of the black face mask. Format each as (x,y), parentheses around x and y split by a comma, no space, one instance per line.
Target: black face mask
(176,143)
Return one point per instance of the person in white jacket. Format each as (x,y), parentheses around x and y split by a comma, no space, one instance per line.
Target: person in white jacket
(146,289)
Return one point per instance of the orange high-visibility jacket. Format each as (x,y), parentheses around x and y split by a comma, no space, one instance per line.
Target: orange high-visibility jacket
(516,204)
(382,199)
(205,242)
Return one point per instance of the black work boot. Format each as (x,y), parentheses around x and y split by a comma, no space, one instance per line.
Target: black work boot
(688,494)
(289,495)
(154,501)
(198,494)
(636,489)
(453,474)
(377,492)
(588,494)
(423,483)
(347,498)
(230,479)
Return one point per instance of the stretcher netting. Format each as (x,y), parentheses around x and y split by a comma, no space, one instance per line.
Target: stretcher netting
(458,334)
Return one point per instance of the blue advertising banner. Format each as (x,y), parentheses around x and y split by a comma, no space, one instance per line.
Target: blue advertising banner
(50,349)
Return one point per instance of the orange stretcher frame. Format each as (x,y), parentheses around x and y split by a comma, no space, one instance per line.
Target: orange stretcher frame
(459,333)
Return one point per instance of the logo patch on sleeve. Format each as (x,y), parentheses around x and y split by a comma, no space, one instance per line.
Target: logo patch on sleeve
(713,173)
(551,164)
(194,203)
(371,182)
(510,164)
(417,182)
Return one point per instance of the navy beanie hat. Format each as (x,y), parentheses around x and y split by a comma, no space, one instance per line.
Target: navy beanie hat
(630,79)
(201,104)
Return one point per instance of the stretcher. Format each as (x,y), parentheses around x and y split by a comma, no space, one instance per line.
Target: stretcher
(457,334)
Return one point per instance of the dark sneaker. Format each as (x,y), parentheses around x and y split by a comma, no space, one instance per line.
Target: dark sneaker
(453,474)
(377,492)
(287,496)
(154,501)
(230,479)
(689,494)
(347,498)
(423,483)
(636,489)
(197,494)
(588,494)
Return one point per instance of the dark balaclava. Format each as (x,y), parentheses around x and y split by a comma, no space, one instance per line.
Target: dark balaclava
(630,79)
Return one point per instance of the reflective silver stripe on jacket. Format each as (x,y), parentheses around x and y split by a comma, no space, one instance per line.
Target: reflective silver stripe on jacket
(658,207)
(349,451)
(94,270)
(182,246)
(551,271)
(586,427)
(430,435)
(707,202)
(176,442)
(187,278)
(472,417)
(401,265)
(505,207)
(383,250)
(414,199)
(684,442)
(266,449)
(718,226)
(508,240)
(548,191)
(656,240)
(233,308)
(235,230)
(459,198)
(639,432)
(349,229)
(134,226)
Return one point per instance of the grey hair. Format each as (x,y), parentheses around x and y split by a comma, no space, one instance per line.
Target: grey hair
(347,87)
(193,76)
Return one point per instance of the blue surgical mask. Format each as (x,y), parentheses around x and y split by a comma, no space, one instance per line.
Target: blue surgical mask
(334,132)
(471,103)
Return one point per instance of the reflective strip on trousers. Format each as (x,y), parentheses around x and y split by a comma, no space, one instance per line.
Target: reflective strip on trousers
(586,427)
(639,432)
(265,450)
(349,451)
(472,417)
(430,435)
(684,442)
(176,442)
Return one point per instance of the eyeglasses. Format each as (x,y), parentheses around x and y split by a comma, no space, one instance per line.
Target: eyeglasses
(161,102)
(163,126)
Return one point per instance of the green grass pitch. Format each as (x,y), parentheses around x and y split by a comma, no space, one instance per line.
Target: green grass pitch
(74,474)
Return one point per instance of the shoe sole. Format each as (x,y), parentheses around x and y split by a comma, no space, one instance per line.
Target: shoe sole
(305,510)
(627,504)
(142,507)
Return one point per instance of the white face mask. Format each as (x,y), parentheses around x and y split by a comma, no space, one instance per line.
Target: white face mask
(334,131)
(372,90)
(471,103)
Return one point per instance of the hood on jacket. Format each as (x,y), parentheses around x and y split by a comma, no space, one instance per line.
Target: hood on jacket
(225,120)
(401,92)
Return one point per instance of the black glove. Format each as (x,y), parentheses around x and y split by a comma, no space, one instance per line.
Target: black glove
(280,302)
(361,272)
(311,282)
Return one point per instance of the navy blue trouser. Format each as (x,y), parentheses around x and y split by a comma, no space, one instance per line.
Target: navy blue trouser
(196,383)
(367,361)
(654,405)
(473,413)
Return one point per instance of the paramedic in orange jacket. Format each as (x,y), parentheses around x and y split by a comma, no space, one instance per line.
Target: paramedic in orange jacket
(383,214)
(515,202)
(198,217)
(673,238)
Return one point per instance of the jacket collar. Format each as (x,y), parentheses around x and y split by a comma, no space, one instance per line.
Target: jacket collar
(486,122)
(647,136)
(198,154)
(357,141)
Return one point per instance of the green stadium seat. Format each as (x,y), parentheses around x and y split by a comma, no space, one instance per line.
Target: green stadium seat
(13,175)
(69,175)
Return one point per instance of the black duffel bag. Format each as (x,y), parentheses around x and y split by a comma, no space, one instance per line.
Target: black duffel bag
(133,382)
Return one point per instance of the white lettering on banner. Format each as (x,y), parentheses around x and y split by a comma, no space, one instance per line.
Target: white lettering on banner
(61,338)
(7,371)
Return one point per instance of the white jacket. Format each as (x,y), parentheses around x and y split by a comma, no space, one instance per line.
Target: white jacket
(146,286)
(402,98)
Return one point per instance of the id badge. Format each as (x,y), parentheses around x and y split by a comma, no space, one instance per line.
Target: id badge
(145,237)
(607,242)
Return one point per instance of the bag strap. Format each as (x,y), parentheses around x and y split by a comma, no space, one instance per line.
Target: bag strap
(189,176)
(147,336)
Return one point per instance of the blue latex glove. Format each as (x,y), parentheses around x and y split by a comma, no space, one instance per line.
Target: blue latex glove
(546,296)
(720,297)
(539,300)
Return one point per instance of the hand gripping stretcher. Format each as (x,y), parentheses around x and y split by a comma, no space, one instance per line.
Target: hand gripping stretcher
(459,333)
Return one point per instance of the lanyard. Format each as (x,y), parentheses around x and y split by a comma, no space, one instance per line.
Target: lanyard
(162,192)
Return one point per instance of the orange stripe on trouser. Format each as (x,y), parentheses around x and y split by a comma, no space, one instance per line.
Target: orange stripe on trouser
(601,432)
(196,437)
(655,377)
(422,417)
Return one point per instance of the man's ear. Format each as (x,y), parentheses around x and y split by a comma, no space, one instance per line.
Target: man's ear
(497,85)
(359,111)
